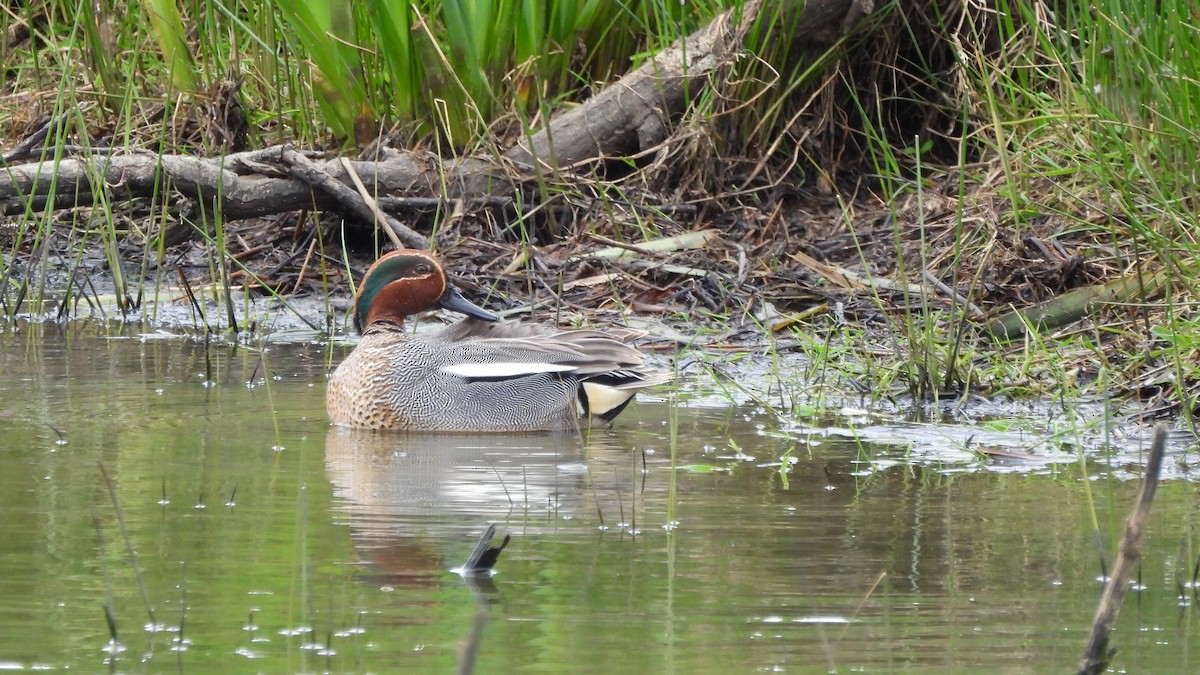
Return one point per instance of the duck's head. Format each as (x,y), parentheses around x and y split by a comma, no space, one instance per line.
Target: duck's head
(405,282)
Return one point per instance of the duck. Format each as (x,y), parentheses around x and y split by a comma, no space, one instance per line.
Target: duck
(481,374)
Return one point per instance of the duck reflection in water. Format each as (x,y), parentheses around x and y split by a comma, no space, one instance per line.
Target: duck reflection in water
(407,497)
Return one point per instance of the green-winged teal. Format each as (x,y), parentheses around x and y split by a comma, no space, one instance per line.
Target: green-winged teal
(481,374)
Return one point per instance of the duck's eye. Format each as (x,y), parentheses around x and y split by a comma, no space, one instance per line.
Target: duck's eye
(421,269)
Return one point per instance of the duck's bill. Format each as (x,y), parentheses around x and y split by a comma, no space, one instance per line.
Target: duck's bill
(452,299)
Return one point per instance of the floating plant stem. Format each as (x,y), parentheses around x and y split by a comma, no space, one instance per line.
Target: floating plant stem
(137,573)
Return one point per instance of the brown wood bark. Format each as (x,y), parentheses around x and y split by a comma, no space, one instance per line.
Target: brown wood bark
(248,184)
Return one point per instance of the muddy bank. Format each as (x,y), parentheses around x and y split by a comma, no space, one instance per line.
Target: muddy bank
(799,260)
(798,251)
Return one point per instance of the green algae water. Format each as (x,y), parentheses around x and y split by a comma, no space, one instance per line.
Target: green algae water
(169,505)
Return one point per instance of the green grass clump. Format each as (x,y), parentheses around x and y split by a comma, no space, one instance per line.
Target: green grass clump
(1057,123)
(451,66)
(1094,112)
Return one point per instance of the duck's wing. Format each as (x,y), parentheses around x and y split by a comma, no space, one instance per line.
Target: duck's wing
(607,369)
(493,358)
(480,350)
(476,329)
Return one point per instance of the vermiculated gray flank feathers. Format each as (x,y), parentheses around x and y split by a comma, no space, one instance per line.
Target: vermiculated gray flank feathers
(509,377)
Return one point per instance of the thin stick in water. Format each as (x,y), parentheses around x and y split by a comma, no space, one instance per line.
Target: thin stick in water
(1097,653)
(137,573)
(503,487)
(599,511)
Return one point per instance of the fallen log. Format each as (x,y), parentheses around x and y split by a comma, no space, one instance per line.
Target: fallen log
(244,185)
(1074,305)
(631,116)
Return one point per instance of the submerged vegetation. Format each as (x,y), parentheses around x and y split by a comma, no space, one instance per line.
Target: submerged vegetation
(885,191)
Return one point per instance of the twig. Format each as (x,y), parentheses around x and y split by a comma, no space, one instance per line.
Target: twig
(433,203)
(306,170)
(312,246)
(620,244)
(653,248)
(382,218)
(137,572)
(33,141)
(954,295)
(1097,653)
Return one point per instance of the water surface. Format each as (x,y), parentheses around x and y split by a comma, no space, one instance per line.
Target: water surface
(241,533)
